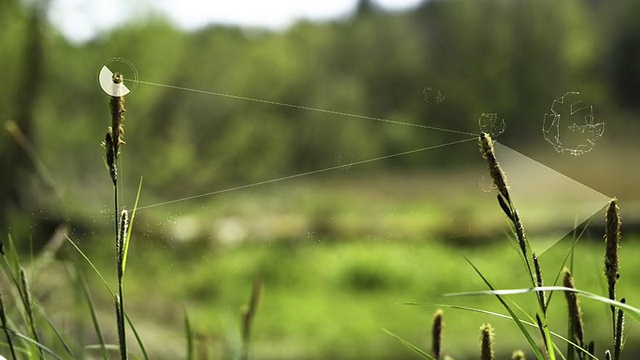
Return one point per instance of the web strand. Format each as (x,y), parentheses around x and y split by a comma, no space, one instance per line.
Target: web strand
(305,174)
(308,108)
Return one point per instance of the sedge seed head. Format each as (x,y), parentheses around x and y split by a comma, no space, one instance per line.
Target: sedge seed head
(117,78)
(436,334)
(486,349)
(612,245)
(575,312)
(518,355)
(495,171)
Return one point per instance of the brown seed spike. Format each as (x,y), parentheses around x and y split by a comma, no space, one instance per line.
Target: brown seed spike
(486,349)
(612,245)
(117,118)
(497,175)
(518,355)
(436,334)
(575,312)
(110,158)
(539,282)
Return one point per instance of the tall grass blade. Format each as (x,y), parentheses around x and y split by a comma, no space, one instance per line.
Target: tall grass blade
(135,332)
(64,343)
(94,317)
(41,348)
(28,305)
(95,269)
(633,312)
(189,334)
(249,314)
(137,336)
(5,328)
(516,320)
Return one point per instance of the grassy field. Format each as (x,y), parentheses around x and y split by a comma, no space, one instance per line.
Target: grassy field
(330,299)
(339,258)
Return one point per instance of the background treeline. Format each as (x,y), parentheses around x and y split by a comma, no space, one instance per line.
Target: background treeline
(510,57)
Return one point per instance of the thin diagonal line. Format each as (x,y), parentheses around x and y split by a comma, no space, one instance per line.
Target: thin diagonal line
(305,108)
(304,174)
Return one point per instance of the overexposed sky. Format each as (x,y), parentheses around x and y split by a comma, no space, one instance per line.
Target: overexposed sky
(81,20)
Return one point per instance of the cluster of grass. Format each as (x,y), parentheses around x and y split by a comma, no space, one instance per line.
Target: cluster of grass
(549,343)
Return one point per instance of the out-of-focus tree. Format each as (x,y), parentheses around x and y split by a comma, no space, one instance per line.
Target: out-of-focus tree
(509,57)
(24,33)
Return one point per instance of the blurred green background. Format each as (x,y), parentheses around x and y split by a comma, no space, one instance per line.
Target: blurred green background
(340,250)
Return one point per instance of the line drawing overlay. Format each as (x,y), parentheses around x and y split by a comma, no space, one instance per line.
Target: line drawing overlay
(288,177)
(301,107)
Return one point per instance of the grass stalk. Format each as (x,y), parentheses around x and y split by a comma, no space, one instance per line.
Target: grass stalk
(112,142)
(5,328)
(248,316)
(506,204)
(619,331)
(28,304)
(190,338)
(94,316)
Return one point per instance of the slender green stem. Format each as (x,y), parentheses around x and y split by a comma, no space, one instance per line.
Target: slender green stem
(28,304)
(112,143)
(5,327)
(119,301)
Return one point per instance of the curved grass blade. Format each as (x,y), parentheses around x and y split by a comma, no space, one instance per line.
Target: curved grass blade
(137,336)
(94,317)
(135,332)
(64,343)
(409,345)
(40,346)
(5,328)
(95,269)
(631,311)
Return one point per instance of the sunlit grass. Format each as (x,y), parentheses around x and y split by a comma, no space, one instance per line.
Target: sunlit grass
(336,295)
